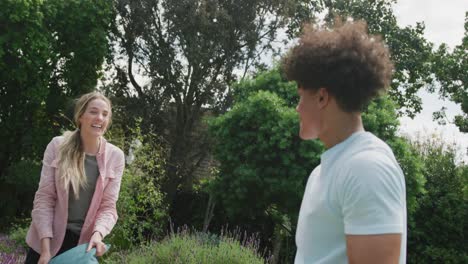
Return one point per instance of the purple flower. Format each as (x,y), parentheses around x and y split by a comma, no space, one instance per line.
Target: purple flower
(13,254)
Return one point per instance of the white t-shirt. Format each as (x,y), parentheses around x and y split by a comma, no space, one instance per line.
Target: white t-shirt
(359,189)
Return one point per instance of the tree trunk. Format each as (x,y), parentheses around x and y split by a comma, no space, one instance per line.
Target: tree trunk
(208,213)
(277,245)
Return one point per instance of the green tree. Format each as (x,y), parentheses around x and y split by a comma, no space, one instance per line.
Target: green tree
(189,51)
(451,71)
(24,73)
(50,52)
(79,36)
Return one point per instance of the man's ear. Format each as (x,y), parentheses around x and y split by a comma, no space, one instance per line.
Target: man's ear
(324,97)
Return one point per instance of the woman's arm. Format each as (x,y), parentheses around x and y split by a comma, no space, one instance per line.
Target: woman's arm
(45,251)
(46,195)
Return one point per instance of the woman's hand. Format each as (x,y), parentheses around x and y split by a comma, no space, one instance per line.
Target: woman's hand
(96,241)
(45,258)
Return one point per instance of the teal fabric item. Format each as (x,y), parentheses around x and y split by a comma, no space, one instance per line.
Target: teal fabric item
(77,255)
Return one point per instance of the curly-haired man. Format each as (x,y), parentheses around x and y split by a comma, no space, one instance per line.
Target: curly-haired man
(354,204)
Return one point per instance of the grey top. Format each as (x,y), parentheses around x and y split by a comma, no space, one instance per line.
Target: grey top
(77,209)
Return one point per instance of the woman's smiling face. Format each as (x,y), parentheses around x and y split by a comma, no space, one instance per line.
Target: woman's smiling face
(95,119)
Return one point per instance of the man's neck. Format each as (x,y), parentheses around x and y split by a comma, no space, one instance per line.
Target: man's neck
(339,126)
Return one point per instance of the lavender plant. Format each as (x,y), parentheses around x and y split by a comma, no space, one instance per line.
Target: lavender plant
(188,246)
(11,252)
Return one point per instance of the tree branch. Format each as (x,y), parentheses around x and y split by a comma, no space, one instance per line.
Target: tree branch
(132,78)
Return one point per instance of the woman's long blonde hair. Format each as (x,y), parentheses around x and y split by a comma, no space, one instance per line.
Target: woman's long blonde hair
(71,155)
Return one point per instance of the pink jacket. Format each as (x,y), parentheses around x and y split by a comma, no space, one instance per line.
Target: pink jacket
(50,209)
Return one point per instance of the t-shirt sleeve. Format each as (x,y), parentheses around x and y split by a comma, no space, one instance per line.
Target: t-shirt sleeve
(373,198)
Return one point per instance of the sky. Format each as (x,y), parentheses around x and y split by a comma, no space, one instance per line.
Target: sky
(444,21)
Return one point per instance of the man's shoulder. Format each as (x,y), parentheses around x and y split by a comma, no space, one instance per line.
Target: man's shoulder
(372,167)
(369,150)
(368,140)
(369,157)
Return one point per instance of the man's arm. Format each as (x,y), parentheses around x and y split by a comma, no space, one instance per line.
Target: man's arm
(382,248)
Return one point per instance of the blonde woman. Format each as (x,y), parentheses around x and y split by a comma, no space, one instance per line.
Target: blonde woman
(79,186)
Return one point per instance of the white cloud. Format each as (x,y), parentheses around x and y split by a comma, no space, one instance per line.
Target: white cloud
(444,20)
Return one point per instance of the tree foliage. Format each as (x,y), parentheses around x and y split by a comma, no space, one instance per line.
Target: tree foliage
(50,52)
(261,156)
(176,59)
(189,51)
(440,230)
(451,72)
(24,73)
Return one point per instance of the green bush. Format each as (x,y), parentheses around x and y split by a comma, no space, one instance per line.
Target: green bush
(141,208)
(142,214)
(14,243)
(18,233)
(185,248)
(17,190)
(441,221)
(261,157)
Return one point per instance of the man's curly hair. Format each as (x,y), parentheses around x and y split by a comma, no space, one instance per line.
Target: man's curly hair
(351,64)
